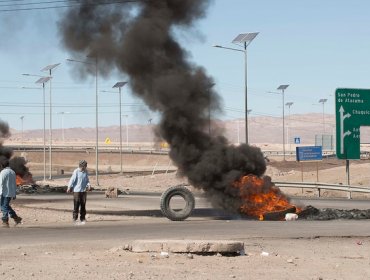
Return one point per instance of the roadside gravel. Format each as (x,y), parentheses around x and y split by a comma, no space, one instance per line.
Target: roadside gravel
(265,259)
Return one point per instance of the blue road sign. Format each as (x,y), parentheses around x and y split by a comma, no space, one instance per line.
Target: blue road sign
(309,153)
(297,140)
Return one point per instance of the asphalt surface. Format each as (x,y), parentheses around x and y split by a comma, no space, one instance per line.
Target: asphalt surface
(148,222)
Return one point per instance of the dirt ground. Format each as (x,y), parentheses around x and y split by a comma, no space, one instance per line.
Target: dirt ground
(319,258)
(316,258)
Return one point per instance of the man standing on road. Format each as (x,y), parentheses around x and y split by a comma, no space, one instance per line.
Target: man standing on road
(79,184)
(8,189)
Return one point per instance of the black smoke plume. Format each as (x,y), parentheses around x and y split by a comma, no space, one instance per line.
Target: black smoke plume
(18,164)
(138,38)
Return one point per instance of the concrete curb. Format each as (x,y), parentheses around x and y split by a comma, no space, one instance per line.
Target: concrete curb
(188,246)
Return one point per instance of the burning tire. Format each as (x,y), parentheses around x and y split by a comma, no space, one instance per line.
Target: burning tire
(176,214)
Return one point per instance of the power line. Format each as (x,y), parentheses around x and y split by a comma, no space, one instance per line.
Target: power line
(34,3)
(72,113)
(74,105)
(1,1)
(62,6)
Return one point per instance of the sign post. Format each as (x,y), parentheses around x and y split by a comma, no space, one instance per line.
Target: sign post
(309,153)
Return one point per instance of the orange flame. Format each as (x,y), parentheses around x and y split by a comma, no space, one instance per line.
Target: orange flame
(260,196)
(19,180)
(26,180)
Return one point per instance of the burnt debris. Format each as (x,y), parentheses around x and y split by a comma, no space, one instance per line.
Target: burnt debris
(312,213)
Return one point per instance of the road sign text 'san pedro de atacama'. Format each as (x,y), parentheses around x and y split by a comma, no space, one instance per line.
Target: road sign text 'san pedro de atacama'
(352,110)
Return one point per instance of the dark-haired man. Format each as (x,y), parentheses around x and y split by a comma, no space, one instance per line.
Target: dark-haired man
(79,184)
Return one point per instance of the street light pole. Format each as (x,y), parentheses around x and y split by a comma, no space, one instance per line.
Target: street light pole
(323,100)
(22,117)
(283,88)
(248,112)
(63,113)
(48,69)
(245,39)
(96,122)
(43,81)
(238,132)
(209,92)
(63,127)
(96,115)
(119,85)
(289,104)
(126,116)
(246,93)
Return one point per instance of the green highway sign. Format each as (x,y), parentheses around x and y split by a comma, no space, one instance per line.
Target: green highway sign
(352,110)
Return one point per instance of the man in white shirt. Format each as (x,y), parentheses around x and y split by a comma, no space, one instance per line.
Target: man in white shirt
(8,189)
(79,184)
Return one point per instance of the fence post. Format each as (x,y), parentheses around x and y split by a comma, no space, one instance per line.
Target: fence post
(349,195)
(302,175)
(154,169)
(168,166)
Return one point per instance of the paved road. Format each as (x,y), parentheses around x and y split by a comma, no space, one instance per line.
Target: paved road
(193,228)
(205,223)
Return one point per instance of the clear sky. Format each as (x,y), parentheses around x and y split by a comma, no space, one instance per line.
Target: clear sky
(314,46)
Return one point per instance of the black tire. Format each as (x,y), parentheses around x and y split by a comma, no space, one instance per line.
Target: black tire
(177,215)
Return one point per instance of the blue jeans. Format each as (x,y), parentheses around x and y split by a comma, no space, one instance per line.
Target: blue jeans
(7,209)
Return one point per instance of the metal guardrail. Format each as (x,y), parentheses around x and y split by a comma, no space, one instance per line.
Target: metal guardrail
(130,150)
(320,186)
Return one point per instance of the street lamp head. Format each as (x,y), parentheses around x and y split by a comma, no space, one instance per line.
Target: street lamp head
(282,87)
(323,100)
(43,80)
(274,92)
(107,91)
(119,84)
(245,38)
(33,75)
(289,104)
(80,61)
(31,88)
(50,67)
(216,46)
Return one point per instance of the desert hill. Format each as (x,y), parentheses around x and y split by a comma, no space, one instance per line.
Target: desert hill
(262,129)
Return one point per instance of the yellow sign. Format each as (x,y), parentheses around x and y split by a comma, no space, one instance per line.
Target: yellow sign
(107,140)
(164,145)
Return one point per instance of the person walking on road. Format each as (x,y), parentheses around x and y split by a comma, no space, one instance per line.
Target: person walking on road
(8,190)
(79,184)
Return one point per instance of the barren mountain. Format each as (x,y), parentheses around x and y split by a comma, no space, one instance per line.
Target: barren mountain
(261,129)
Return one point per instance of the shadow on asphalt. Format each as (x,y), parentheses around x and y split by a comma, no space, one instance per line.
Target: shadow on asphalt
(197,213)
(210,213)
(213,214)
